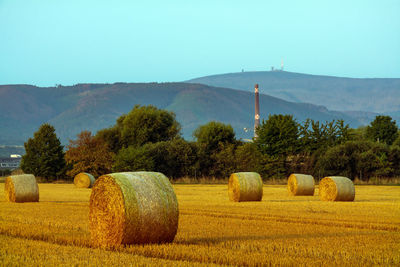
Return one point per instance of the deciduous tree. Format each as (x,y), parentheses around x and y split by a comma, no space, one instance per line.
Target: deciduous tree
(89,154)
(214,141)
(142,125)
(214,133)
(148,124)
(383,129)
(278,135)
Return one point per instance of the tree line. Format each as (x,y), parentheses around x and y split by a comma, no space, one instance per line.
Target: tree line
(149,139)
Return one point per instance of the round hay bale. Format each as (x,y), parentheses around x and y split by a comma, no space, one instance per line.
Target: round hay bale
(132,208)
(21,188)
(245,186)
(301,184)
(336,188)
(84,180)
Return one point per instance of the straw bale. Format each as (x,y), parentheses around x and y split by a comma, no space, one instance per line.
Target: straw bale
(336,188)
(245,186)
(301,184)
(84,180)
(21,188)
(132,208)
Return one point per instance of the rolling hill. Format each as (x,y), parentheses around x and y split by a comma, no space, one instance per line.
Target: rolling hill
(71,109)
(336,93)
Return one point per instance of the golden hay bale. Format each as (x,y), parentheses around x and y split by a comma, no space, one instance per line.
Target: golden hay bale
(336,188)
(132,208)
(245,186)
(21,188)
(301,185)
(84,180)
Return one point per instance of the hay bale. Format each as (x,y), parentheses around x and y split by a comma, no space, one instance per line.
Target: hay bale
(132,208)
(21,188)
(301,184)
(245,186)
(336,188)
(84,180)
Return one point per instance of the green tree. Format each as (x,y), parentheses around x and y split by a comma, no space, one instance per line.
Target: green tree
(175,158)
(362,159)
(315,135)
(278,135)
(315,139)
(44,154)
(397,141)
(214,133)
(133,159)
(112,135)
(277,138)
(89,154)
(394,159)
(248,158)
(223,161)
(148,124)
(342,159)
(212,138)
(357,134)
(341,132)
(382,129)
(142,125)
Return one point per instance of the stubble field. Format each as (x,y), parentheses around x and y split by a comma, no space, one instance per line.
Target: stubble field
(280,230)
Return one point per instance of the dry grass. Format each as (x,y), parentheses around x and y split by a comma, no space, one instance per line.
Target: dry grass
(279,230)
(378,181)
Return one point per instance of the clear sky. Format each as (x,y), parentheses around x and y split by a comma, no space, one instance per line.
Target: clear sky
(48,42)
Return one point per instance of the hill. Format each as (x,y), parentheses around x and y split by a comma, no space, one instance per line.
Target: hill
(71,109)
(336,93)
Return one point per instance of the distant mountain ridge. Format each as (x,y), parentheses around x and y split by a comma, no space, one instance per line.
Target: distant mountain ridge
(376,95)
(72,109)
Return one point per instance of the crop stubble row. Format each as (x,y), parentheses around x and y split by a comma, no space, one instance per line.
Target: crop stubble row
(279,230)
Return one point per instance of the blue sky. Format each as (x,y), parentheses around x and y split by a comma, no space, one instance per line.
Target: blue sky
(67,42)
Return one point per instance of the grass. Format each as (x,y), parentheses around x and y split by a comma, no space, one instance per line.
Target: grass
(280,230)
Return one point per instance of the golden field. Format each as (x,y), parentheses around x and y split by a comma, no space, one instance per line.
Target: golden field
(280,230)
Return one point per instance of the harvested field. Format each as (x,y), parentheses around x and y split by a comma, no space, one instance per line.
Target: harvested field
(281,229)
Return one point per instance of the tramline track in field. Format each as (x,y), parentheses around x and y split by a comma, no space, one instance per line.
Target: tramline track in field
(298,220)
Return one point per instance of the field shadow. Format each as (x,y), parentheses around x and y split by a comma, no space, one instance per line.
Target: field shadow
(375,200)
(292,200)
(222,239)
(64,201)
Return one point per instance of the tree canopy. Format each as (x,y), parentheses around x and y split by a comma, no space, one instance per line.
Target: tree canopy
(148,124)
(278,135)
(89,154)
(314,135)
(142,125)
(44,154)
(383,129)
(214,133)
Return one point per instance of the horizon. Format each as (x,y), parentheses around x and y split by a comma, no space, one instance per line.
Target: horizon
(188,81)
(70,42)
